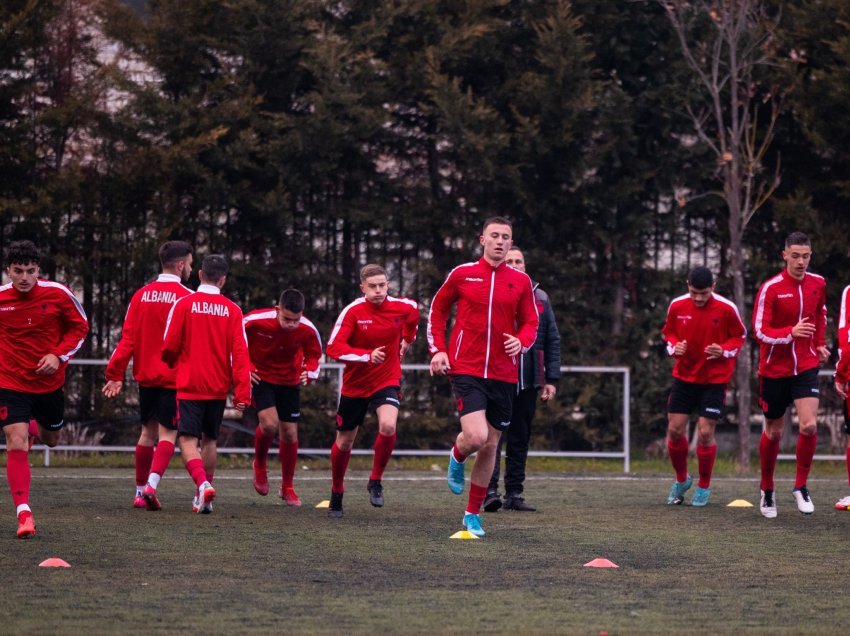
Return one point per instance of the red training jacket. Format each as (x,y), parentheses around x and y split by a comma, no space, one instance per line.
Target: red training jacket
(842,369)
(47,319)
(363,326)
(141,335)
(205,340)
(781,302)
(716,322)
(491,301)
(279,356)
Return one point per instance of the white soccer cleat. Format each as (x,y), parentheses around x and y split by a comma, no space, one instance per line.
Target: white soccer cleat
(843,504)
(767,504)
(203,502)
(804,501)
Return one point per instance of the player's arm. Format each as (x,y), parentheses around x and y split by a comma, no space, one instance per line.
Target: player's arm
(410,327)
(120,358)
(527,317)
(763,328)
(438,318)
(172,339)
(338,346)
(240,363)
(75,328)
(312,348)
(551,346)
(736,332)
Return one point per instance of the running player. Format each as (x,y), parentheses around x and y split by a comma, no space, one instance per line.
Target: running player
(205,340)
(42,325)
(496,323)
(704,333)
(842,376)
(141,342)
(789,321)
(371,336)
(285,349)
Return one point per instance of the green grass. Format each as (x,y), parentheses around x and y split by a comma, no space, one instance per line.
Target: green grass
(256,566)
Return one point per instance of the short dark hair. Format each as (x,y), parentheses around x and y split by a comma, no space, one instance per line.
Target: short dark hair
(172,251)
(797,238)
(700,278)
(22,253)
(496,220)
(292,300)
(214,267)
(371,270)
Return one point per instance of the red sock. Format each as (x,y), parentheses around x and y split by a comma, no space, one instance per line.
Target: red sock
(476,498)
(262,444)
(806,445)
(384,445)
(768,452)
(195,468)
(288,459)
(162,456)
(705,462)
(847,454)
(144,458)
(459,457)
(678,449)
(18,475)
(339,464)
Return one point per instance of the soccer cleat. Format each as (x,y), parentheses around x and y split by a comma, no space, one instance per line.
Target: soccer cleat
(26,525)
(261,480)
(700,497)
(139,501)
(335,508)
(843,504)
(376,492)
(472,523)
(492,502)
(517,503)
(678,490)
(290,498)
(767,504)
(206,495)
(455,475)
(804,501)
(149,497)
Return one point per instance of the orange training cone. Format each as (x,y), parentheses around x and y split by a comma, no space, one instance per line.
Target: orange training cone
(54,563)
(601,563)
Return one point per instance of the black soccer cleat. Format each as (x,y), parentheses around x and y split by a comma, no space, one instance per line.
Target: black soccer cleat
(376,493)
(492,502)
(517,503)
(335,509)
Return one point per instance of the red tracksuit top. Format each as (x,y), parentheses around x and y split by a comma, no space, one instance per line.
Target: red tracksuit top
(205,340)
(279,356)
(781,302)
(363,326)
(718,321)
(141,336)
(490,301)
(47,319)
(842,369)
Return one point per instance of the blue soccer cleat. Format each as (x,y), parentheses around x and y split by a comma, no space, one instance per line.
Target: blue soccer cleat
(455,475)
(678,490)
(701,496)
(472,523)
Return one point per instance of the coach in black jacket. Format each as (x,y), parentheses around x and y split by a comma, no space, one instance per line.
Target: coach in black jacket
(540,368)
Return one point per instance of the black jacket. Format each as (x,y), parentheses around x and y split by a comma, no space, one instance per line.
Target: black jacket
(542,363)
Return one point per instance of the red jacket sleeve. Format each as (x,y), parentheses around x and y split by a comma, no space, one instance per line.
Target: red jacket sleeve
(843,367)
(312,348)
(338,346)
(737,334)
(820,318)
(671,338)
(124,349)
(762,318)
(438,316)
(527,318)
(172,343)
(411,325)
(240,361)
(76,328)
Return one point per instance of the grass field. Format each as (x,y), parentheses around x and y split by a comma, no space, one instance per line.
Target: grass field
(255,566)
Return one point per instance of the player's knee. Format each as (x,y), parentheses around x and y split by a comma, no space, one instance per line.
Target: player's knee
(387,429)
(808,428)
(675,434)
(268,428)
(475,440)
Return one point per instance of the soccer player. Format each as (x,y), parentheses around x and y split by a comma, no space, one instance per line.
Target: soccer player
(205,340)
(285,349)
(141,341)
(789,321)
(704,333)
(539,368)
(842,376)
(42,325)
(496,323)
(371,336)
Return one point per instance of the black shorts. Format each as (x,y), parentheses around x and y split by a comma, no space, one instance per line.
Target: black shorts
(706,399)
(160,404)
(847,415)
(196,417)
(286,399)
(494,397)
(352,411)
(48,409)
(777,394)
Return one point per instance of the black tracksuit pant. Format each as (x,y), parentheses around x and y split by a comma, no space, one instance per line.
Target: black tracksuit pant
(517,436)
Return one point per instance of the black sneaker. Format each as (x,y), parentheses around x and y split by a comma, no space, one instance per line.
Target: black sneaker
(516,502)
(376,493)
(335,509)
(492,502)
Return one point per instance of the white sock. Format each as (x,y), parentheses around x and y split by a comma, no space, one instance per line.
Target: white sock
(139,491)
(153,480)
(22,508)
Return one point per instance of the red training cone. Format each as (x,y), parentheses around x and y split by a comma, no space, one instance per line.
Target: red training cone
(601,563)
(54,563)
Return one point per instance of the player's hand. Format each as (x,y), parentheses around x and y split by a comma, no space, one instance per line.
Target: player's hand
(841,389)
(304,379)
(512,345)
(549,391)
(240,406)
(823,353)
(440,363)
(112,388)
(378,355)
(402,349)
(680,348)
(714,351)
(255,378)
(47,365)
(803,329)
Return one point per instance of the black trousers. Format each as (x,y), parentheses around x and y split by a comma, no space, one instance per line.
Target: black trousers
(516,437)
